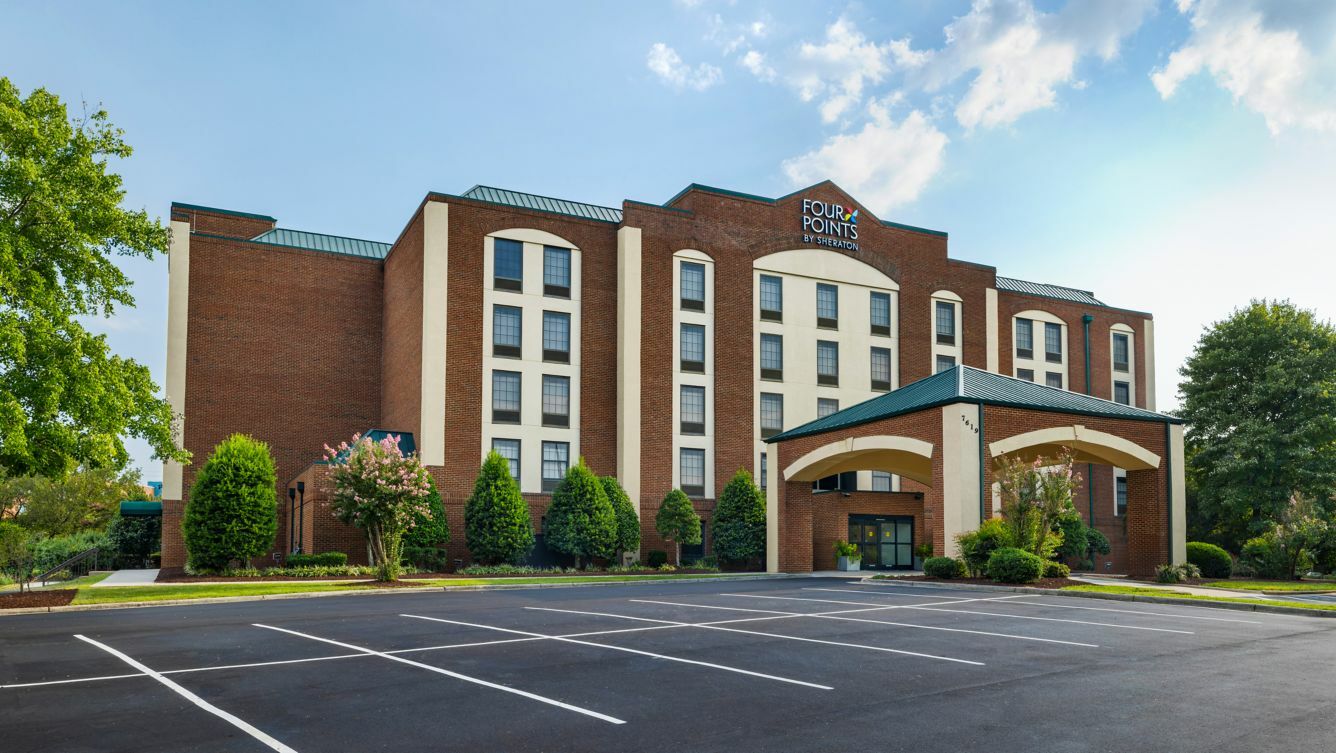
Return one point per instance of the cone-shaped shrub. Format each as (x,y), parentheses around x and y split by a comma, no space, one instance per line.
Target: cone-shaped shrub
(580,521)
(628,523)
(677,521)
(232,513)
(739,520)
(431,529)
(497,526)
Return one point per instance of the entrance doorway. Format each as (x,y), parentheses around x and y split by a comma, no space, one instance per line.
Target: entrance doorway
(886,541)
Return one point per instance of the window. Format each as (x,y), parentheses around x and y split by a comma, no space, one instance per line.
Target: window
(1122,393)
(826,406)
(1053,379)
(881,369)
(556,400)
(1052,342)
(772,357)
(944,363)
(693,286)
(772,298)
(505,397)
(692,410)
(827,362)
(1120,495)
(510,450)
(693,348)
(556,337)
(881,313)
(1120,351)
(557,271)
(827,306)
(762,474)
(1026,374)
(556,458)
(691,470)
(881,481)
(946,323)
(772,414)
(843,482)
(507,264)
(1024,338)
(506,331)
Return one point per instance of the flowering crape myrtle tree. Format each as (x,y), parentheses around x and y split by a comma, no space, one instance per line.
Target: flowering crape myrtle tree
(380,490)
(1036,499)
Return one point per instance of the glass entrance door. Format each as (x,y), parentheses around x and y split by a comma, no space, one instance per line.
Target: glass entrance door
(886,542)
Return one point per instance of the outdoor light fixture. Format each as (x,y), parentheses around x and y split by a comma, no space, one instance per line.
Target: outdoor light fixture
(292,510)
(301,516)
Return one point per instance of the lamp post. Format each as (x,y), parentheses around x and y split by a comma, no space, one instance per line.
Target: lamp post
(301,516)
(292,511)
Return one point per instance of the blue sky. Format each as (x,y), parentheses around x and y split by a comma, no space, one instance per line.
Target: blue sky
(1178,158)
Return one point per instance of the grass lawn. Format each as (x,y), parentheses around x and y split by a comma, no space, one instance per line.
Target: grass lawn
(122,594)
(1273,585)
(1136,591)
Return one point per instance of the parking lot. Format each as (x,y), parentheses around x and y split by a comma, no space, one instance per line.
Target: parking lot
(783,665)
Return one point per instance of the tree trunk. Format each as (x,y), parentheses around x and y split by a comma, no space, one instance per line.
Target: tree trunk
(677,553)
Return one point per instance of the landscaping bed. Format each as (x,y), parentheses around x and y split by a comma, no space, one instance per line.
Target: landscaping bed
(179,575)
(1041,583)
(54,598)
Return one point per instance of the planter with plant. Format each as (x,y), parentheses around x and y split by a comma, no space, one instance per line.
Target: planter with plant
(847,557)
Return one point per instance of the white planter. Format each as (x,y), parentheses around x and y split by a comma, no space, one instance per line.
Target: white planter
(849,564)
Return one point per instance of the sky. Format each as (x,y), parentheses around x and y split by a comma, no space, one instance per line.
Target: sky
(1172,157)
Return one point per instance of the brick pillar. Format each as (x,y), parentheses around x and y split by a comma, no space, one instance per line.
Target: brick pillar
(1147,538)
(795,527)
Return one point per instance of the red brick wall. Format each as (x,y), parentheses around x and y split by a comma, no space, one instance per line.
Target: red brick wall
(831,511)
(221,223)
(401,347)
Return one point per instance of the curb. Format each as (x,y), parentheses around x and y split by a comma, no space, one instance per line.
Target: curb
(1202,603)
(373,592)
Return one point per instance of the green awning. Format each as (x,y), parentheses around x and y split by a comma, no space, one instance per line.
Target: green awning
(129,508)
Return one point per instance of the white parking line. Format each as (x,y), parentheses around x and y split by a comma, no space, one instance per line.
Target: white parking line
(650,654)
(720,626)
(889,593)
(908,624)
(240,724)
(448,673)
(1138,611)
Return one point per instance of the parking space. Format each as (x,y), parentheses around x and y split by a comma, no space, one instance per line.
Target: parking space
(803,664)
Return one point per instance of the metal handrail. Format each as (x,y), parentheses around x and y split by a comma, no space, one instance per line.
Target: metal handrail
(76,559)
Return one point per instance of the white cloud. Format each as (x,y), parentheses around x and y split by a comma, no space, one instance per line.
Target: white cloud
(886,164)
(755,62)
(1257,52)
(665,63)
(1020,56)
(838,69)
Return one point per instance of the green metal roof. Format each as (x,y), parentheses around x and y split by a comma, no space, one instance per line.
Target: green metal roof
(966,384)
(140,508)
(333,244)
(543,203)
(1059,292)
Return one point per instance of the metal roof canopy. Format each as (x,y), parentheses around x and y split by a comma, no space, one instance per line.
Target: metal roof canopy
(334,244)
(140,508)
(966,384)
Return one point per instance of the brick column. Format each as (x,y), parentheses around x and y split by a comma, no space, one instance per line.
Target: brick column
(1147,541)
(795,527)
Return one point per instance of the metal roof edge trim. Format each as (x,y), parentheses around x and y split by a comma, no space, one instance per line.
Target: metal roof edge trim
(327,235)
(577,218)
(476,186)
(340,254)
(216,210)
(1146,314)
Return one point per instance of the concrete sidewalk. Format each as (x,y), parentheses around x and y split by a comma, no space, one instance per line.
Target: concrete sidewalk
(128,578)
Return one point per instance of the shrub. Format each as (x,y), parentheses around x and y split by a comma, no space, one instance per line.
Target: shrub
(324,559)
(497,526)
(429,527)
(1213,561)
(1168,574)
(708,564)
(1056,570)
(1012,565)
(977,546)
(429,559)
(580,521)
(944,567)
(655,557)
(1265,556)
(379,489)
(739,520)
(666,568)
(16,553)
(509,569)
(677,521)
(628,522)
(1189,571)
(232,514)
(49,552)
(133,539)
(845,549)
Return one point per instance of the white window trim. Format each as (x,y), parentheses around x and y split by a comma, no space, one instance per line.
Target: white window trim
(956,351)
(706,380)
(1129,376)
(1038,362)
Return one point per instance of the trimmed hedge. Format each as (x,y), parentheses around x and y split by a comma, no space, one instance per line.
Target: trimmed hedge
(1213,561)
(1056,570)
(944,567)
(1012,565)
(324,559)
(739,520)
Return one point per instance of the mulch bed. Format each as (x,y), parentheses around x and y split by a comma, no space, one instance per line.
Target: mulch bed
(178,575)
(57,598)
(1041,583)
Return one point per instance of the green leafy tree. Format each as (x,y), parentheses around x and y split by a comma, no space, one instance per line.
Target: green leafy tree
(1259,399)
(678,522)
(497,525)
(65,398)
(430,528)
(581,521)
(16,553)
(232,512)
(628,522)
(739,520)
(133,538)
(1036,498)
(87,498)
(380,490)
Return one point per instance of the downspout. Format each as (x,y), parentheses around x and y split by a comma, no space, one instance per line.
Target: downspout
(1090,467)
(982,517)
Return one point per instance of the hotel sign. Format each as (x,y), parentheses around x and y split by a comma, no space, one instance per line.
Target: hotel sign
(826,224)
